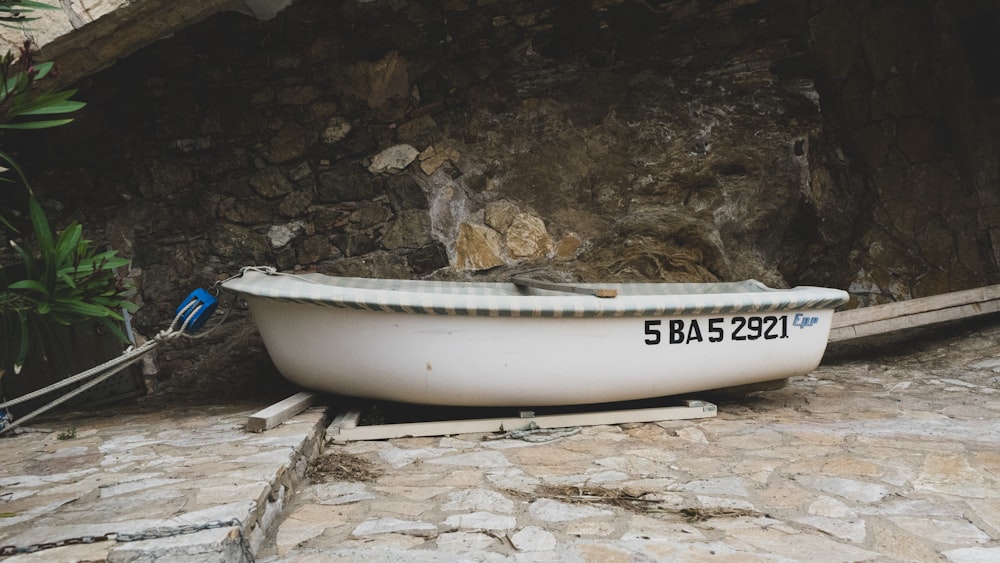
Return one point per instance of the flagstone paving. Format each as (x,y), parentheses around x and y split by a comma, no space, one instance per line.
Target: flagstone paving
(892,456)
(191,475)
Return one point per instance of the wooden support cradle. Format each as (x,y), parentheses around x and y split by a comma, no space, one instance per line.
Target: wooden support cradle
(345,426)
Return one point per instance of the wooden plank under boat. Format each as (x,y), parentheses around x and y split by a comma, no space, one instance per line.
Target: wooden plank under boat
(506,344)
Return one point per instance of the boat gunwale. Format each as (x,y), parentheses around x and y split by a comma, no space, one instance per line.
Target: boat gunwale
(474,299)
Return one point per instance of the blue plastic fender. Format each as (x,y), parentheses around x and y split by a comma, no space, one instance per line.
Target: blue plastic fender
(194,316)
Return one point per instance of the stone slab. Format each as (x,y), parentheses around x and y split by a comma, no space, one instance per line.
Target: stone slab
(166,486)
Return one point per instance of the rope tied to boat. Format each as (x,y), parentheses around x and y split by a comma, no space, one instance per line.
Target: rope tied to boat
(190,316)
(268,271)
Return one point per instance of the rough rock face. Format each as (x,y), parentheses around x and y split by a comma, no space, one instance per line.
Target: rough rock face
(828,142)
(917,105)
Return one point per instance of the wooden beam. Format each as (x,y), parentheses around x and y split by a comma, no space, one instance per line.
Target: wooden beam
(346,419)
(564,287)
(692,410)
(279,412)
(914,313)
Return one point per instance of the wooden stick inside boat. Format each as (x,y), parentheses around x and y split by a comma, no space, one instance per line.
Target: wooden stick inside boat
(564,287)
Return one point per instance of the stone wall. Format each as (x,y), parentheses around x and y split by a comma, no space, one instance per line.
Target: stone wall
(459,139)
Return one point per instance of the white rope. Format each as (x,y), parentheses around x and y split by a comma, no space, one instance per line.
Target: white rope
(270,271)
(129,356)
(83,388)
(111,367)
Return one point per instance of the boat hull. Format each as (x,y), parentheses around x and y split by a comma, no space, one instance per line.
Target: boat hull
(503,361)
(493,359)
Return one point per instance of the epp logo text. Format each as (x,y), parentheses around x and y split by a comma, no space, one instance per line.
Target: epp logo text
(803,321)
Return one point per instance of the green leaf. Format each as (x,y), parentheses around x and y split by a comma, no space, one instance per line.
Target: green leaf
(30,285)
(15,84)
(48,102)
(18,20)
(41,225)
(84,309)
(104,301)
(45,107)
(68,241)
(43,69)
(114,262)
(31,4)
(16,168)
(114,329)
(105,261)
(30,265)
(66,278)
(64,106)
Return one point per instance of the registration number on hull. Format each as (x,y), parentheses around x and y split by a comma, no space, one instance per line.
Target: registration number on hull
(719,329)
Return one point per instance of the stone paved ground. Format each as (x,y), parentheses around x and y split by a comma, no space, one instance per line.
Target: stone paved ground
(886,457)
(893,456)
(147,474)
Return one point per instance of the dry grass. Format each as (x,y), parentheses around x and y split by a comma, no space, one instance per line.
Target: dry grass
(586,494)
(702,514)
(339,466)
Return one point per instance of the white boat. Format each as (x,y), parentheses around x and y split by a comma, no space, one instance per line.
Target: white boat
(507,344)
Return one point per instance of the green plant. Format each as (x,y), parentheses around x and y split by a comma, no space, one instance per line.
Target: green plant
(55,280)
(19,11)
(65,280)
(23,104)
(19,76)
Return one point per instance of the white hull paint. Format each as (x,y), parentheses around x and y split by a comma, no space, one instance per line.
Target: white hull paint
(605,350)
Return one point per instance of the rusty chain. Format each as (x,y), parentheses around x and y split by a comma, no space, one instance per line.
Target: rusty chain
(148,534)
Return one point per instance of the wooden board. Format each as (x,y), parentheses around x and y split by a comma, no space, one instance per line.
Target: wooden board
(344,427)
(914,313)
(279,412)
